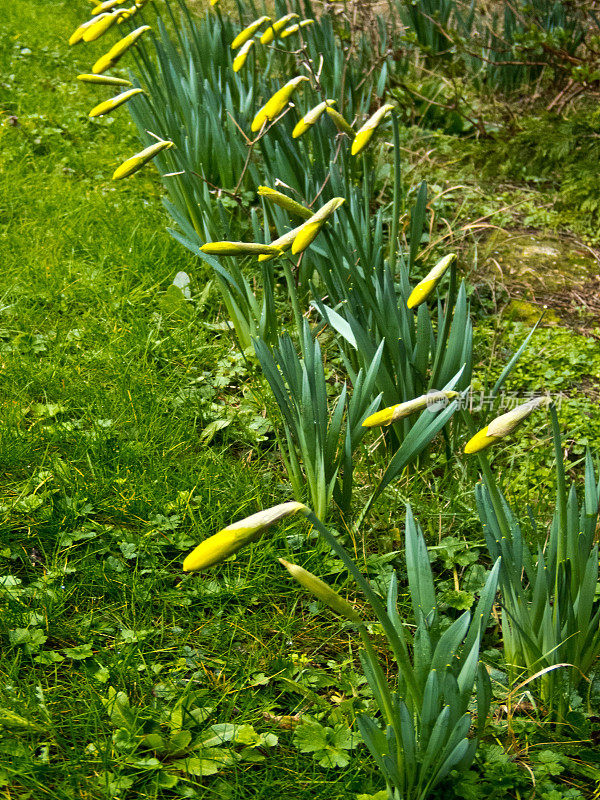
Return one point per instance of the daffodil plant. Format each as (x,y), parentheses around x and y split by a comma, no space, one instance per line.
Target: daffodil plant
(441,690)
(550,609)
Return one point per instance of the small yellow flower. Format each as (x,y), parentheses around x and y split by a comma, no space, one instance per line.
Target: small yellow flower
(114,102)
(295,28)
(393,413)
(340,122)
(240,249)
(282,200)
(502,426)
(322,591)
(107,80)
(137,161)
(364,134)
(115,53)
(240,59)
(309,119)
(248,32)
(274,29)
(232,538)
(276,104)
(425,287)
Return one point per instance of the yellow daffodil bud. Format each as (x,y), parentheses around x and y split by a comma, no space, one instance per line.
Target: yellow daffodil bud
(274,29)
(392,414)
(309,119)
(503,425)
(306,236)
(425,287)
(137,161)
(107,5)
(248,32)
(240,249)
(240,59)
(308,232)
(283,243)
(232,538)
(322,591)
(339,121)
(77,35)
(107,80)
(103,23)
(295,28)
(365,133)
(276,104)
(282,200)
(115,53)
(114,102)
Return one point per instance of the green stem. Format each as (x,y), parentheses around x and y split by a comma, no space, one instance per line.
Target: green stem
(490,481)
(293,293)
(561,505)
(443,334)
(366,189)
(398,194)
(376,604)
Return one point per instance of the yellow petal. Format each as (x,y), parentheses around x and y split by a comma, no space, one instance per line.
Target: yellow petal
(274,29)
(137,161)
(503,425)
(114,102)
(232,538)
(480,441)
(365,133)
(306,236)
(393,413)
(276,104)
(118,50)
(282,200)
(240,249)
(103,79)
(425,287)
(322,591)
(248,32)
(127,13)
(103,23)
(307,232)
(105,6)
(506,423)
(240,59)
(295,28)
(310,118)
(285,242)
(361,140)
(77,35)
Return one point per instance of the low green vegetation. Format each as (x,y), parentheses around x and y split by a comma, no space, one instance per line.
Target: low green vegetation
(135,422)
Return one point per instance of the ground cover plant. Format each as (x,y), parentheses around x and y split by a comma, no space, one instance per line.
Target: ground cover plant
(136,424)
